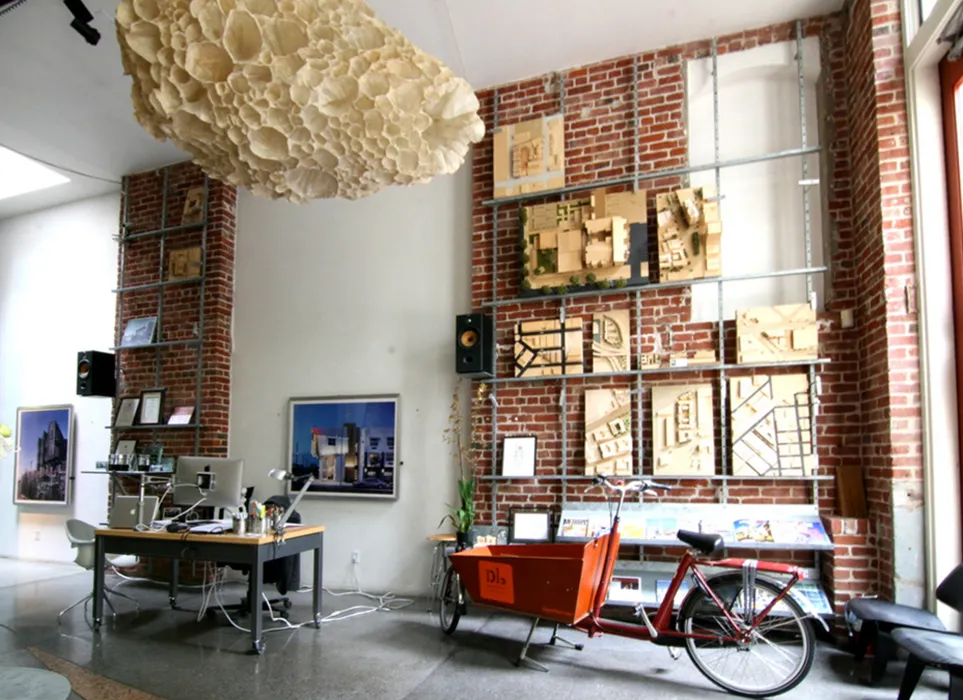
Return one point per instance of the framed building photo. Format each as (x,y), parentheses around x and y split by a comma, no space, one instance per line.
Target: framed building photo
(126,412)
(531,526)
(139,331)
(351,443)
(44,465)
(125,447)
(518,455)
(152,406)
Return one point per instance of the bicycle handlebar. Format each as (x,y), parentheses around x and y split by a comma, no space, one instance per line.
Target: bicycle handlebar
(624,487)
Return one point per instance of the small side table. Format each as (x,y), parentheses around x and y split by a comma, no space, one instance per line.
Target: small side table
(439,565)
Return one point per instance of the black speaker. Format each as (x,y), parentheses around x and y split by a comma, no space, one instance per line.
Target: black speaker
(474,345)
(95,373)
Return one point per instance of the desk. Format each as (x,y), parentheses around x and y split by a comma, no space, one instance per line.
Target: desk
(250,550)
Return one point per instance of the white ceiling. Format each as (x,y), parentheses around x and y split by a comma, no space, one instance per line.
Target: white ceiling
(66,102)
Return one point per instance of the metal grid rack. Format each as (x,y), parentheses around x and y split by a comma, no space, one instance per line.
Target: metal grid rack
(162,232)
(721,367)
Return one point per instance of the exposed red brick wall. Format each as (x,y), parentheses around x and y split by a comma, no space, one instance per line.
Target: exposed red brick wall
(599,145)
(851,568)
(141,264)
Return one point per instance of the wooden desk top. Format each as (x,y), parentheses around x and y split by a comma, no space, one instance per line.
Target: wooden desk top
(290,532)
(441,538)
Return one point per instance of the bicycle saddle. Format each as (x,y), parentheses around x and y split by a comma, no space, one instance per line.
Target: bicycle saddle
(706,542)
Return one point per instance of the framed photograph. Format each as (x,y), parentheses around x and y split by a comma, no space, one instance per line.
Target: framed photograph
(349,442)
(125,447)
(531,526)
(181,416)
(518,455)
(152,406)
(44,465)
(126,412)
(139,331)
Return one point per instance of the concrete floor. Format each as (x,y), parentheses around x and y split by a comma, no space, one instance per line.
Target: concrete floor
(389,656)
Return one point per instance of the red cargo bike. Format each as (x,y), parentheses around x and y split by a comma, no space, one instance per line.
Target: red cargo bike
(741,629)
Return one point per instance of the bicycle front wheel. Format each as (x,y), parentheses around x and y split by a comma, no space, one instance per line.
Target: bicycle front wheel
(450,603)
(775,656)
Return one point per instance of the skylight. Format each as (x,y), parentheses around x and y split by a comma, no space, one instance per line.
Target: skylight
(20,175)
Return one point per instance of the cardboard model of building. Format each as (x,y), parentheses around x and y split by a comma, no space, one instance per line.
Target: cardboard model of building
(689,234)
(771,424)
(611,342)
(530,156)
(600,238)
(682,430)
(776,334)
(543,349)
(608,432)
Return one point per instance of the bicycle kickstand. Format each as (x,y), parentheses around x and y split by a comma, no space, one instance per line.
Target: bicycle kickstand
(523,657)
(556,638)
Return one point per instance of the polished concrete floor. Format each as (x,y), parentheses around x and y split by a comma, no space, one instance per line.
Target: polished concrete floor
(165,654)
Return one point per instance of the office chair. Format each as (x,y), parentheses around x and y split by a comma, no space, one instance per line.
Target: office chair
(81,537)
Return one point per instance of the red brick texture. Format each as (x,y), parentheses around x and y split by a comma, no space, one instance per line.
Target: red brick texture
(175,367)
(870,395)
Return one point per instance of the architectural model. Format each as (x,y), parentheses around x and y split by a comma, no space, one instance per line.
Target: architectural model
(776,334)
(771,424)
(689,233)
(529,157)
(543,349)
(611,342)
(601,240)
(299,99)
(686,358)
(608,432)
(682,430)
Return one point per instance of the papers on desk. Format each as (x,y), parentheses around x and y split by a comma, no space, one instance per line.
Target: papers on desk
(214,526)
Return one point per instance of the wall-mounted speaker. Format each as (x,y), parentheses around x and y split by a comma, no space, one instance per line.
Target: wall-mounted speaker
(95,373)
(474,345)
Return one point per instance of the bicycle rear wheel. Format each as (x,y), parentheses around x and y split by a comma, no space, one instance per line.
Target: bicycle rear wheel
(775,657)
(450,602)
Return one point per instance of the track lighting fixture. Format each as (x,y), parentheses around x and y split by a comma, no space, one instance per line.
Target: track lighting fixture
(82,20)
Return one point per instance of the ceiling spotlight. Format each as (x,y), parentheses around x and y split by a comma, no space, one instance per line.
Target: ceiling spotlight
(82,20)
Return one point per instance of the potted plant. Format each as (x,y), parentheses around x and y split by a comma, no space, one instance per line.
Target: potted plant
(464,439)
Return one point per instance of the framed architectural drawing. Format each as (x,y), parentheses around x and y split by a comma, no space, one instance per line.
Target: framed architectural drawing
(529,156)
(518,455)
(777,334)
(611,342)
(608,432)
(771,425)
(351,441)
(44,465)
(543,349)
(682,430)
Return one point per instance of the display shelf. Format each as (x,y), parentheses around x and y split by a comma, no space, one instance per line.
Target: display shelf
(158,285)
(165,230)
(117,472)
(659,477)
(676,284)
(653,175)
(162,344)
(163,426)
(660,370)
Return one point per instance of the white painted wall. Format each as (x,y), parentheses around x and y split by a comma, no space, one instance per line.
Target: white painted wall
(762,205)
(57,269)
(337,298)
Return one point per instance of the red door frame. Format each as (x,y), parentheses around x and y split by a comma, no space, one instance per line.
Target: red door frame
(951,77)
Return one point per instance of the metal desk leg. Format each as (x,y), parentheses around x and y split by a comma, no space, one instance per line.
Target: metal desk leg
(175,575)
(255,587)
(100,562)
(317,590)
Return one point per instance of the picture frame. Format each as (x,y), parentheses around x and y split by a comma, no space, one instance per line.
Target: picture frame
(350,444)
(126,412)
(531,526)
(44,458)
(518,455)
(139,332)
(181,415)
(152,406)
(125,447)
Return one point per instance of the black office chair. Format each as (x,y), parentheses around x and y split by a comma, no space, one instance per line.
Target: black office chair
(284,573)
(880,618)
(943,650)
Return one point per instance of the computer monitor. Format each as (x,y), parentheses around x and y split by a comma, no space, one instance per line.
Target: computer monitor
(223,489)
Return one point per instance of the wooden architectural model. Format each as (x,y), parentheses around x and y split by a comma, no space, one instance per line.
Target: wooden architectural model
(598,240)
(682,430)
(776,334)
(689,233)
(543,349)
(771,423)
(611,342)
(530,156)
(608,432)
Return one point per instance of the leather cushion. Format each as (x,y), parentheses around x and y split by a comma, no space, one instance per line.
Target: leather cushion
(888,615)
(943,648)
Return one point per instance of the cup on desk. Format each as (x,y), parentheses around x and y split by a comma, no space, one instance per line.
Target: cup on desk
(256,525)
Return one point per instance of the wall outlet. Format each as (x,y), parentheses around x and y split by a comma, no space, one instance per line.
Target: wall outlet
(356,557)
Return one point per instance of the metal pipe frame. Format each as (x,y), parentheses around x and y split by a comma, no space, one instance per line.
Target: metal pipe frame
(202,293)
(155,285)
(494,389)
(160,276)
(162,231)
(721,328)
(710,477)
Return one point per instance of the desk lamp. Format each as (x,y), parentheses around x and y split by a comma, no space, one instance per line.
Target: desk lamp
(282,475)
